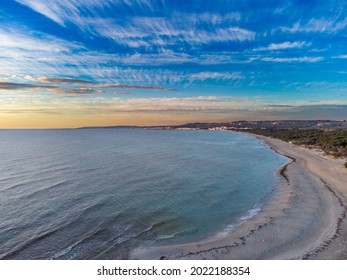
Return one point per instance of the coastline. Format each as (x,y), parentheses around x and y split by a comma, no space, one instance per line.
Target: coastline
(305,219)
(331,187)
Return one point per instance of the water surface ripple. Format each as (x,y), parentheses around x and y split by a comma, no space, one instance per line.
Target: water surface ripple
(98,193)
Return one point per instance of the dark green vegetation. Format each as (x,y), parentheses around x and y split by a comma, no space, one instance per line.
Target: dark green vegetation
(288,124)
(331,142)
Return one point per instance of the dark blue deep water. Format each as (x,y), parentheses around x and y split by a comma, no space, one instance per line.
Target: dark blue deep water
(99,193)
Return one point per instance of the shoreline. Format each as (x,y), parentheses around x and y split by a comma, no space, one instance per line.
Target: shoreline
(304,220)
(333,177)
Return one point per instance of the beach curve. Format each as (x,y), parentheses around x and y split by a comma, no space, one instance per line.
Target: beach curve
(305,219)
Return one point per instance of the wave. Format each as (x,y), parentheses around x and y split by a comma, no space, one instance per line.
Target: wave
(248,216)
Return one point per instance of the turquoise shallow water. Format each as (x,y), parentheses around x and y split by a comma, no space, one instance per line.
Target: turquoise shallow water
(98,193)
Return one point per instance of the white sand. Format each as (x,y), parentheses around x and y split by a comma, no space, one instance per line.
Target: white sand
(305,220)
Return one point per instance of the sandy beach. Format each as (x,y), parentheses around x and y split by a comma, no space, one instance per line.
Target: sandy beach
(305,219)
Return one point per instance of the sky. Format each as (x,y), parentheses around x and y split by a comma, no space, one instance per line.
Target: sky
(72,63)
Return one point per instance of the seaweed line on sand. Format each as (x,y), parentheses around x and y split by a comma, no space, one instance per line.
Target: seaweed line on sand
(338,226)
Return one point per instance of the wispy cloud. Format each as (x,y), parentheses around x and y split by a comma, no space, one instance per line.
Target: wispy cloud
(208,17)
(12,37)
(8,86)
(170,57)
(63,11)
(73,91)
(221,35)
(317,25)
(138,76)
(20,86)
(143,31)
(284,46)
(25,51)
(203,76)
(344,56)
(293,59)
(162,32)
(95,89)
(321,85)
(135,87)
(57,80)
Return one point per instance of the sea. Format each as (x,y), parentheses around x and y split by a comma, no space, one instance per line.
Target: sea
(102,193)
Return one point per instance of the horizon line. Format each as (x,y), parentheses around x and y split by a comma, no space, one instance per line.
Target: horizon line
(165,125)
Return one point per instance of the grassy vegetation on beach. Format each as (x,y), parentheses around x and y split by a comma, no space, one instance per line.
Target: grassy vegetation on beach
(331,142)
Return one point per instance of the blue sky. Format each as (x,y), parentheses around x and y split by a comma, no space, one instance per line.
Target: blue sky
(103,62)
